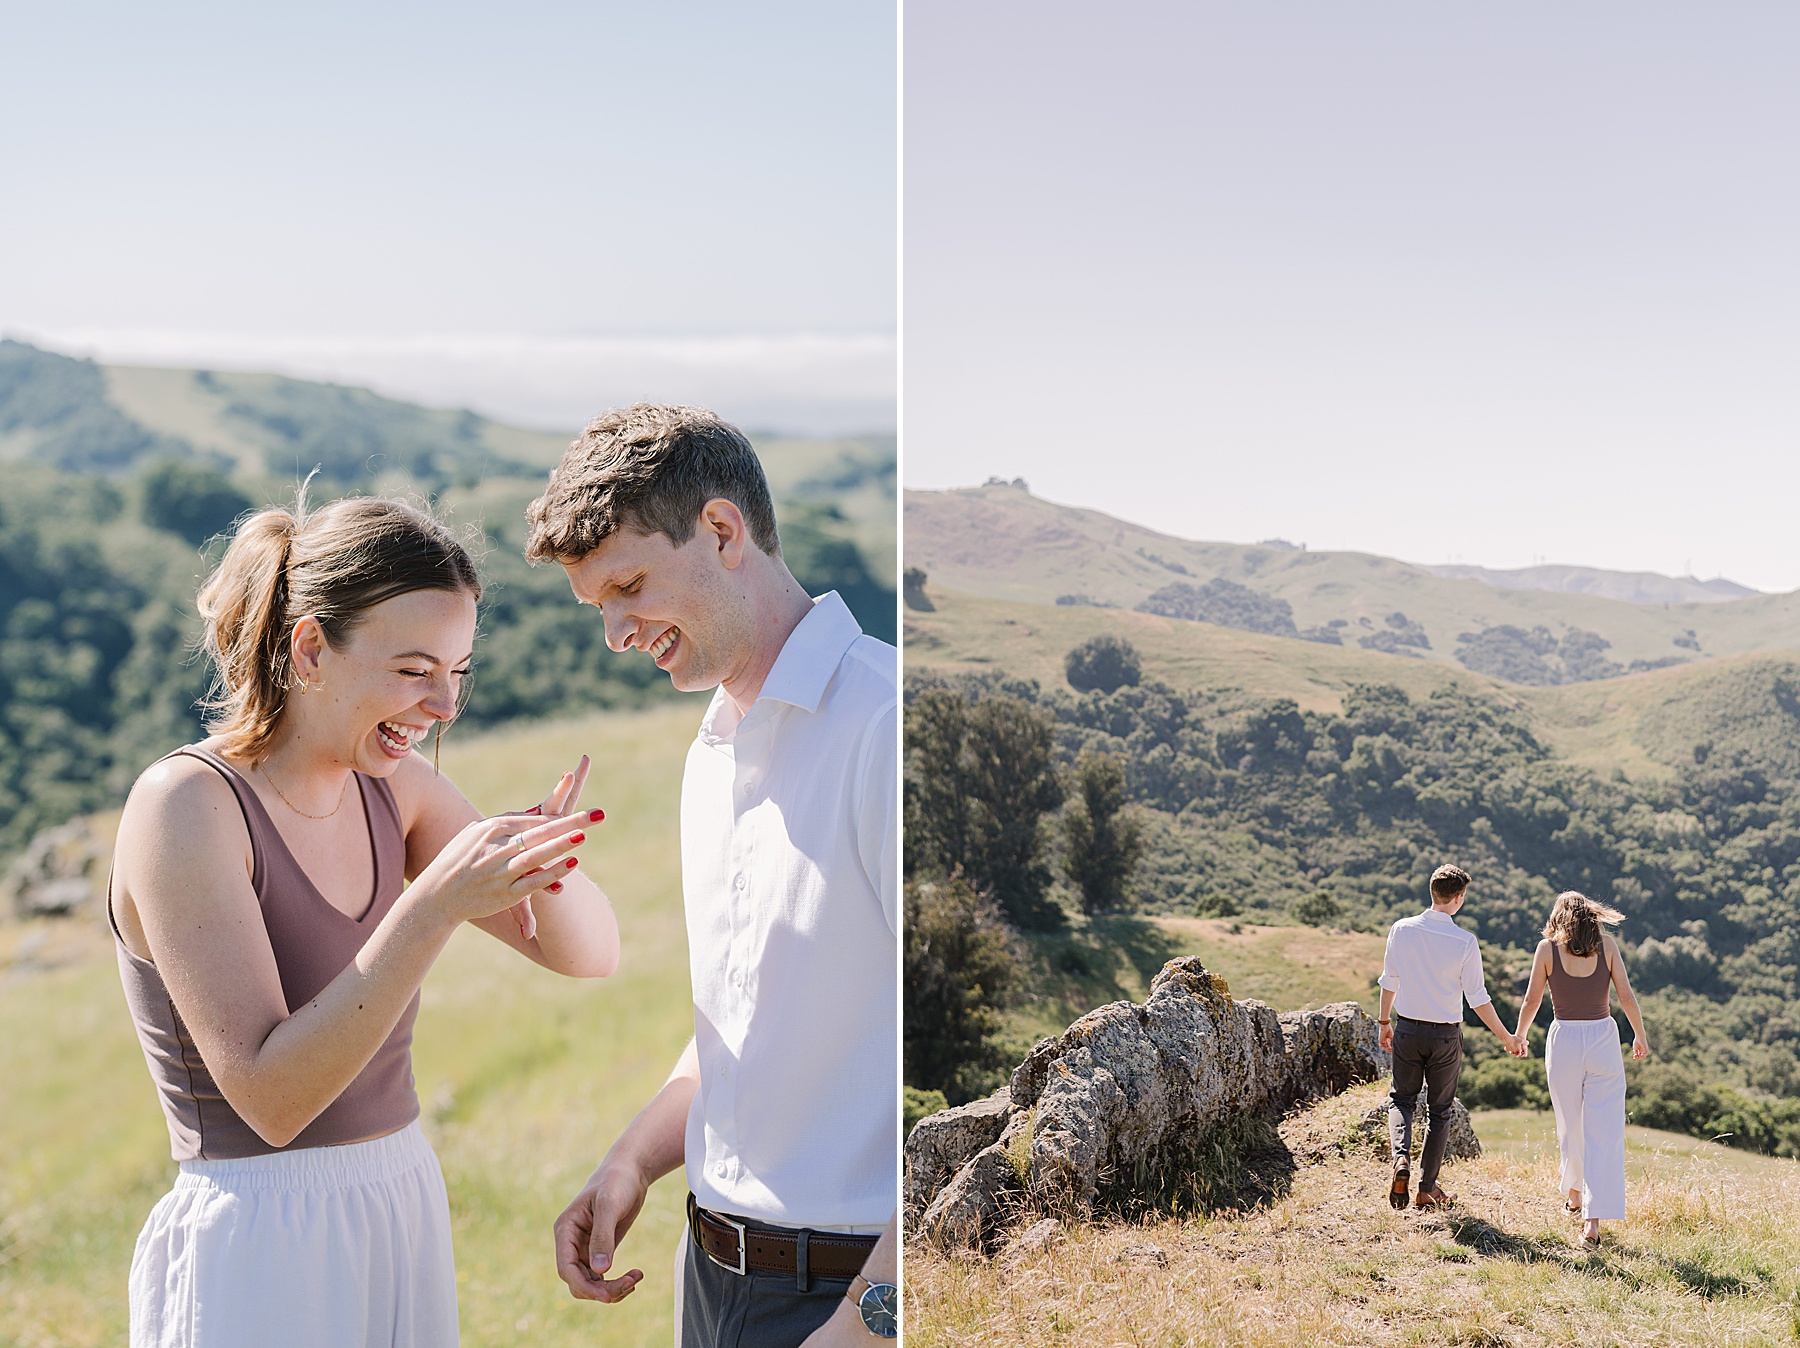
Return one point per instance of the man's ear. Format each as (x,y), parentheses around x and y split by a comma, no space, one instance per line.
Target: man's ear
(724,523)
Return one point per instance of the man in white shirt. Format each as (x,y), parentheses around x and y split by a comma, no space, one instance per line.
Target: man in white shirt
(784,1106)
(1431,966)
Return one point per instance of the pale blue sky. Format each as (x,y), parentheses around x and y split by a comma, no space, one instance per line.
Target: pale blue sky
(1498,283)
(355,178)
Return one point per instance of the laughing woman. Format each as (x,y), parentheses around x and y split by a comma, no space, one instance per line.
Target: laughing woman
(272,953)
(1580,964)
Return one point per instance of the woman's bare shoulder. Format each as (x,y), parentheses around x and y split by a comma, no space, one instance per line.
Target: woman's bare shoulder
(180,802)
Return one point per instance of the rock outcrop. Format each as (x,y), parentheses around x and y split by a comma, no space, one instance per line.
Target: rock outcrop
(56,873)
(1122,1098)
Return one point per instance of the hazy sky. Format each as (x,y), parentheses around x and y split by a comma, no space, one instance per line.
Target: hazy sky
(1495,283)
(546,204)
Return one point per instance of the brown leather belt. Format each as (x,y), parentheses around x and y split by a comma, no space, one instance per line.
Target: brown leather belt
(741,1247)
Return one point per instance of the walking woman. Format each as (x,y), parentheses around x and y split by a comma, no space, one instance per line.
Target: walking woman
(272,957)
(1581,965)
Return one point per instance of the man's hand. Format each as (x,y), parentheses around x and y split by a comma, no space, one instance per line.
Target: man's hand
(845,1329)
(1386,1035)
(590,1229)
(1518,1046)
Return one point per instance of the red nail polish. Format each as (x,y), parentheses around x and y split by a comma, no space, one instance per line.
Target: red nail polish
(571,861)
(555,886)
(595,816)
(575,838)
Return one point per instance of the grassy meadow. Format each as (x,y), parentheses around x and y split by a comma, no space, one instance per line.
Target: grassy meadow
(524,1077)
(1705,1257)
(1111,958)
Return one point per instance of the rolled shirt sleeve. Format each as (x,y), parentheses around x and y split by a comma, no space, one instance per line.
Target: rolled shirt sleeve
(1474,986)
(1390,979)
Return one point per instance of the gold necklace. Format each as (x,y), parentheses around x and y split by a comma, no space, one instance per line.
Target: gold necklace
(342,792)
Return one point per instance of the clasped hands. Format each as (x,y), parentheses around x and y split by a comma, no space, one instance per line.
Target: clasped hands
(1516,1045)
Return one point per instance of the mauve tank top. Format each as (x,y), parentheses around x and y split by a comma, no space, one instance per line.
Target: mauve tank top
(1575,998)
(313,942)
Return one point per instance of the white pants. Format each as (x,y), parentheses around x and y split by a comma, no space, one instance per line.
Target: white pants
(1587,1089)
(325,1247)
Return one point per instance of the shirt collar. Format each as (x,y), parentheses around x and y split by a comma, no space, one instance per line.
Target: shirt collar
(1438,915)
(809,657)
(811,654)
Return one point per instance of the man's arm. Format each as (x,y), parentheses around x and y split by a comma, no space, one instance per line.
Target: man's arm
(1386,1031)
(1475,991)
(845,1328)
(1491,1019)
(590,1228)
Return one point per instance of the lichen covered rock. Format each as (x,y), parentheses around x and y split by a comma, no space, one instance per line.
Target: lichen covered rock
(1124,1093)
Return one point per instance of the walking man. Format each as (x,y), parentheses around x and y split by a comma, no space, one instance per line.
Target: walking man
(783,1107)
(1431,966)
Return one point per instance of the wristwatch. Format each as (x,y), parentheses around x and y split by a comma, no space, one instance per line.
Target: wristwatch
(879,1303)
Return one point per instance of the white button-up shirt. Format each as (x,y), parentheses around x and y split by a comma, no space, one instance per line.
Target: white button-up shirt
(790,874)
(1431,965)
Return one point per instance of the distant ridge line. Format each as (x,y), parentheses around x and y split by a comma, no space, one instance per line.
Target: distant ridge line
(1631,587)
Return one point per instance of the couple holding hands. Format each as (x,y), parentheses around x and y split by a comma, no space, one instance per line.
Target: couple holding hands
(1432,965)
(281,889)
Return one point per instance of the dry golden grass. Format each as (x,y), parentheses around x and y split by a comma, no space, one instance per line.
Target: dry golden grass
(1702,1259)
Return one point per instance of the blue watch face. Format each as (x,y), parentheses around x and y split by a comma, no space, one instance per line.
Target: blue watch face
(880,1307)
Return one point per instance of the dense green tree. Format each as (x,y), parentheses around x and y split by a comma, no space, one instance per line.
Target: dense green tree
(1103,836)
(191,500)
(1104,664)
(980,780)
(961,972)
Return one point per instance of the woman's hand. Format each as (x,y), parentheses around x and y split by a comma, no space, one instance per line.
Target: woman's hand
(495,864)
(1640,1048)
(561,800)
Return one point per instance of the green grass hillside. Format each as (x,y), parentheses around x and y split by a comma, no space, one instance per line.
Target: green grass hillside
(1003,543)
(524,1077)
(1644,725)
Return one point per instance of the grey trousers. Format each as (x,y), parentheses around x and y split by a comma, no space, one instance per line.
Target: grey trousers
(722,1309)
(1430,1055)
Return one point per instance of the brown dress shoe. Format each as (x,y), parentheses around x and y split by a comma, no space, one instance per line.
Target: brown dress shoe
(1398,1187)
(1434,1197)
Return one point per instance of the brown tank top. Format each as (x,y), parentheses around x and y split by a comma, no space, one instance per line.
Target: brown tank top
(313,942)
(1575,998)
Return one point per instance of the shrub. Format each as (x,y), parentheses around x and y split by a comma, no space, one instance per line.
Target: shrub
(1103,664)
(961,971)
(1318,909)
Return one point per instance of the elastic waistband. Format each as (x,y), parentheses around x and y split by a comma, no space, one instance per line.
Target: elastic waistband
(1442,1028)
(1597,1020)
(317,1168)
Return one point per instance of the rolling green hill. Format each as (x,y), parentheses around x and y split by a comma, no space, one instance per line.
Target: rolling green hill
(1001,543)
(118,481)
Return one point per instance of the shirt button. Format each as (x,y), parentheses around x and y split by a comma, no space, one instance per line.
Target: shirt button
(719,1169)
(741,881)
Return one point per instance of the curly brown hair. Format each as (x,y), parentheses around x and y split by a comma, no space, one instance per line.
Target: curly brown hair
(652,469)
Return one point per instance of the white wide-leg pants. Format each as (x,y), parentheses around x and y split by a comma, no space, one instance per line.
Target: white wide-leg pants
(1587,1089)
(324,1247)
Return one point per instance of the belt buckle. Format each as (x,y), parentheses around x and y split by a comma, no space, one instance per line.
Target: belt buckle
(741,1268)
